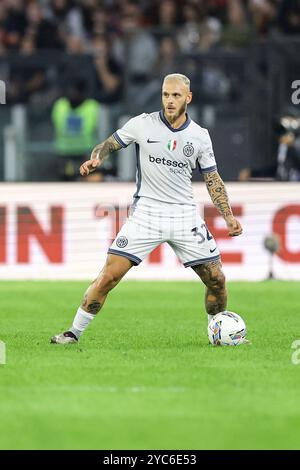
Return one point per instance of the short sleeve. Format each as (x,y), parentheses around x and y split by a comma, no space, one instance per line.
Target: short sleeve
(206,157)
(128,133)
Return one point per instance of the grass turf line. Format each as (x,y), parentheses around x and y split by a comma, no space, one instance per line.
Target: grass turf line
(143,376)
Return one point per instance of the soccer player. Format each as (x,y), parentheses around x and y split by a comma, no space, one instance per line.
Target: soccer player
(169,146)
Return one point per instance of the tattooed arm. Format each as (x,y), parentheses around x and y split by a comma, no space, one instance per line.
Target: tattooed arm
(99,153)
(219,197)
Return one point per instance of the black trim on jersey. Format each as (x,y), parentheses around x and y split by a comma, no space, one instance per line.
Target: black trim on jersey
(139,171)
(135,201)
(184,125)
(132,208)
(195,262)
(204,170)
(198,165)
(209,169)
(132,258)
(119,140)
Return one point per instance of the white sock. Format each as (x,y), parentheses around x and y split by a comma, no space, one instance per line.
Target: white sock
(209,317)
(81,321)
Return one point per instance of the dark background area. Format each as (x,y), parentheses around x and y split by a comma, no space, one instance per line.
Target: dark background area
(242,57)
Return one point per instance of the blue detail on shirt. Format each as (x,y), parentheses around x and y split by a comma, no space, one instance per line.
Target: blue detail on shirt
(119,140)
(139,171)
(181,128)
(209,169)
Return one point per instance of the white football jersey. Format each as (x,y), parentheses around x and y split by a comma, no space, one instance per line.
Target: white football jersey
(166,157)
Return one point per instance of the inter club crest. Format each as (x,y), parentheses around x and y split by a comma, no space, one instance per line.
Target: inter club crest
(122,242)
(188,149)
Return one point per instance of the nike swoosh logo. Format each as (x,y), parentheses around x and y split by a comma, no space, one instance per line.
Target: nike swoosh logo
(153,141)
(213,250)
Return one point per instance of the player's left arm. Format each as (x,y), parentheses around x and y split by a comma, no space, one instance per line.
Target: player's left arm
(217,191)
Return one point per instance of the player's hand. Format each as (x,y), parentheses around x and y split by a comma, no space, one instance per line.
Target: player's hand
(89,166)
(234,227)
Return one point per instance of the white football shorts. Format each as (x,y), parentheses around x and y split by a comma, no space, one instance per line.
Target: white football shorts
(152,222)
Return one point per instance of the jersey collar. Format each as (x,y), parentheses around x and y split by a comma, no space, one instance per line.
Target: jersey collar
(184,125)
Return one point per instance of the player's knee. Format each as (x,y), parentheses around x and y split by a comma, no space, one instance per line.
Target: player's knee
(217,280)
(106,281)
(221,280)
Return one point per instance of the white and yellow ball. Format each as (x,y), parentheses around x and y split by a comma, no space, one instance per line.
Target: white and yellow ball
(226,329)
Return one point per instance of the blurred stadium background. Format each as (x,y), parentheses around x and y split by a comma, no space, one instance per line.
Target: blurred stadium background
(72,72)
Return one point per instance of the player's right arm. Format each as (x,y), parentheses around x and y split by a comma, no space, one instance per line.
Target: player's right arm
(99,153)
(120,139)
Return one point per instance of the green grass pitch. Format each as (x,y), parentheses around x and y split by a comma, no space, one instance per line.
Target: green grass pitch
(143,375)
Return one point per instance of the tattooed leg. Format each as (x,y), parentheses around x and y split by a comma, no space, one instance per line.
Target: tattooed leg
(212,276)
(90,303)
(94,298)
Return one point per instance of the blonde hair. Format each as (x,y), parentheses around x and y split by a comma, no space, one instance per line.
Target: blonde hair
(178,76)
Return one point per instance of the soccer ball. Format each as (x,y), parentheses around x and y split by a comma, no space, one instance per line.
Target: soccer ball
(226,329)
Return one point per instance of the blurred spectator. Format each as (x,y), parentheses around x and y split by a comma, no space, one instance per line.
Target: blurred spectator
(2,29)
(43,32)
(236,14)
(100,22)
(14,23)
(167,62)
(132,8)
(288,153)
(75,118)
(87,9)
(210,34)
(239,28)
(216,9)
(215,85)
(199,32)
(135,46)
(168,15)
(168,59)
(73,65)
(263,14)
(75,45)
(289,16)
(189,33)
(108,72)
(288,168)
(25,81)
(67,17)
